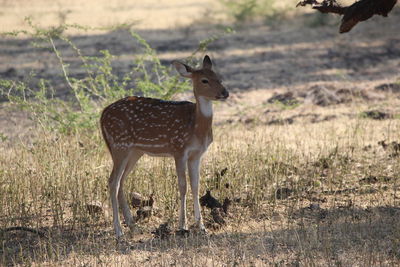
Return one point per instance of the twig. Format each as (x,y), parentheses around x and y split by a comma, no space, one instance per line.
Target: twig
(326,6)
(358,11)
(65,72)
(23,228)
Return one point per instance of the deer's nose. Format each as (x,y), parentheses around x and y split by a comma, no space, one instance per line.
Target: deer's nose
(225,93)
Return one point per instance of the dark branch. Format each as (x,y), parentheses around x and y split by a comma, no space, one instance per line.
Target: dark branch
(359,11)
(326,6)
(363,10)
(22,228)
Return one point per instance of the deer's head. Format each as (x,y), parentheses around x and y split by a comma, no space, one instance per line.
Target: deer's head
(205,81)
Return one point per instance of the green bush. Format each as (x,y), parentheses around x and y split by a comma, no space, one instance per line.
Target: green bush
(249,10)
(99,87)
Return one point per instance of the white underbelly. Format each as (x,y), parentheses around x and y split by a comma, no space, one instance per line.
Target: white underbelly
(153,154)
(151,149)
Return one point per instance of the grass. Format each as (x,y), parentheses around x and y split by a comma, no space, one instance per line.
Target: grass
(329,215)
(270,11)
(304,194)
(307,193)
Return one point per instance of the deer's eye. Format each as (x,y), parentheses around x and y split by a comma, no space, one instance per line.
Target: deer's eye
(204,80)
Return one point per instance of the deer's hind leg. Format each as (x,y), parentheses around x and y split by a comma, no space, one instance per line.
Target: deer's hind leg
(121,158)
(114,184)
(134,156)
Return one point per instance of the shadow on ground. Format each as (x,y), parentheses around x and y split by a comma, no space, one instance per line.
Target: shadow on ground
(256,56)
(342,235)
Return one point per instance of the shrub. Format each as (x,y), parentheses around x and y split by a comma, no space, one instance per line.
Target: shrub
(99,87)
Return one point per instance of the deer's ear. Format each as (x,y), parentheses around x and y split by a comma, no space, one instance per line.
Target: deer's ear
(207,64)
(183,69)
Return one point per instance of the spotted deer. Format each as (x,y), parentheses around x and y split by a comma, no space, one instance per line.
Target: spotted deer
(134,126)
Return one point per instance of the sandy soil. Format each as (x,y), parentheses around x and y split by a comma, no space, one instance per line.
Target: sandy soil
(257,56)
(287,57)
(149,14)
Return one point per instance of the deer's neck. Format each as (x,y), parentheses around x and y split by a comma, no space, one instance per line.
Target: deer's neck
(204,116)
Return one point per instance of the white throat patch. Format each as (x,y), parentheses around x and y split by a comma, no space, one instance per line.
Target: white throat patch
(205,106)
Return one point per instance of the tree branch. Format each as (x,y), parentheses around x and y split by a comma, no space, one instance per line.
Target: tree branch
(359,11)
(22,228)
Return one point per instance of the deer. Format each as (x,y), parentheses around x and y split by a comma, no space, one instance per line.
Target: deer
(135,126)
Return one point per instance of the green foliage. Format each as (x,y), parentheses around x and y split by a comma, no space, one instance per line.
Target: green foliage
(288,105)
(248,10)
(203,44)
(240,10)
(3,137)
(99,87)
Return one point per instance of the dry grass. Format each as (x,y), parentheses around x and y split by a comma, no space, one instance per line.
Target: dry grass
(151,14)
(311,185)
(336,213)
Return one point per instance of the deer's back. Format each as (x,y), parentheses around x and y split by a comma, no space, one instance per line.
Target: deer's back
(152,125)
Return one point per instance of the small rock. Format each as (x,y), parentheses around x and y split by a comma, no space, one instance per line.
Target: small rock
(395,146)
(94,208)
(276,217)
(369,180)
(136,200)
(316,118)
(367,148)
(375,115)
(389,87)
(314,206)
(149,202)
(237,199)
(209,201)
(163,231)
(281,121)
(144,212)
(321,96)
(285,98)
(283,193)
(10,72)
(217,215)
(182,232)
(345,95)
(248,120)
(371,95)
(383,144)
(226,204)
(223,171)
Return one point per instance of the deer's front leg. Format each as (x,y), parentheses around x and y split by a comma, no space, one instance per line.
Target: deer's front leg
(194,173)
(180,164)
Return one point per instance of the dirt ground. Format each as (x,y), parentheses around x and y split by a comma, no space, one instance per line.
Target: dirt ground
(257,57)
(316,67)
